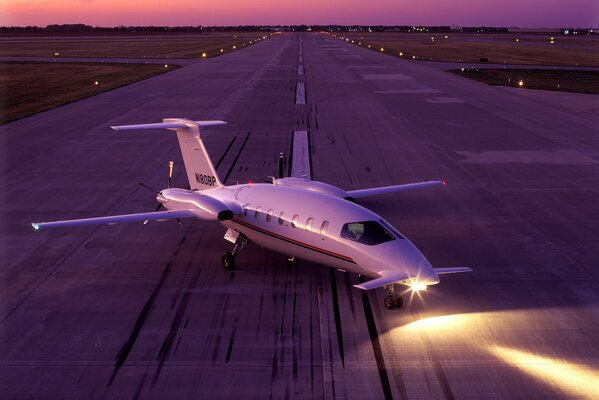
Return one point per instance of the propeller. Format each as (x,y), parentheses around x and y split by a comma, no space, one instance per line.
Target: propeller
(170,173)
(281,165)
(171,164)
(170,179)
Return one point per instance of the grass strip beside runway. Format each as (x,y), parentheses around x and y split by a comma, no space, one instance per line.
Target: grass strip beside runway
(32,87)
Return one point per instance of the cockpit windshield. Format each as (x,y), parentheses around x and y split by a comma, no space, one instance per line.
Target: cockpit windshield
(367,232)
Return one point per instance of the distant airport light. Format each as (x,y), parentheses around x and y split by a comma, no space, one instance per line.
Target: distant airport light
(551,38)
(368,46)
(382,49)
(234,47)
(462,69)
(352,42)
(446,37)
(400,54)
(204,55)
(517,39)
(56,53)
(96,83)
(552,41)
(520,83)
(165,65)
(222,50)
(413,57)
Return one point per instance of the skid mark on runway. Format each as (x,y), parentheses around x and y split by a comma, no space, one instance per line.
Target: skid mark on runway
(237,157)
(220,160)
(170,337)
(385,77)
(559,157)
(337,315)
(376,347)
(444,100)
(230,346)
(139,323)
(408,91)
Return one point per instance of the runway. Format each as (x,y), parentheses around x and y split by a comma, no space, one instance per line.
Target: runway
(146,311)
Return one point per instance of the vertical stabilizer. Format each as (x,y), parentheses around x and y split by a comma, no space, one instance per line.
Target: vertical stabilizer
(200,171)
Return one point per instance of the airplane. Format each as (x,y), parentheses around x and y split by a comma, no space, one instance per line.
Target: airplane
(296,216)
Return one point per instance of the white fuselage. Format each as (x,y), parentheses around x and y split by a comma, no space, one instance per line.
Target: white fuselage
(307,224)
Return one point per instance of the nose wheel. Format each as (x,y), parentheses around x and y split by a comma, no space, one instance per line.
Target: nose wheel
(391,299)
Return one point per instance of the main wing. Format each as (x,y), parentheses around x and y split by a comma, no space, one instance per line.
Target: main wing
(358,194)
(113,219)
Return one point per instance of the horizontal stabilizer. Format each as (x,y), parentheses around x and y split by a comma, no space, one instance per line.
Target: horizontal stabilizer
(387,278)
(358,194)
(113,219)
(165,125)
(453,270)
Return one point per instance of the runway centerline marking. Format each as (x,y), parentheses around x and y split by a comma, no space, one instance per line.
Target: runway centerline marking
(300,93)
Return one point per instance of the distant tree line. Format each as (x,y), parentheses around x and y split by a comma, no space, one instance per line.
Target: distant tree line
(82,28)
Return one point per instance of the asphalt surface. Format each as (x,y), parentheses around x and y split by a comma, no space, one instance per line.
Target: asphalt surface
(146,311)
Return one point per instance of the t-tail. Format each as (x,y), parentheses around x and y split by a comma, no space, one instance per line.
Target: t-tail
(200,171)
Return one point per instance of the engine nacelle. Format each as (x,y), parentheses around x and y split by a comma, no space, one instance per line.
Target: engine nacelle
(315,186)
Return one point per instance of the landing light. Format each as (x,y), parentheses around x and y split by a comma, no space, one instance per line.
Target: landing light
(36,227)
(417,286)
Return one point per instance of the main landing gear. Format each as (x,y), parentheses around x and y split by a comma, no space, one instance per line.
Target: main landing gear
(391,299)
(228,258)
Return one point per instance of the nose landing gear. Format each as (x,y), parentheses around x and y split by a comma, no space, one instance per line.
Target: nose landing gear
(228,258)
(391,299)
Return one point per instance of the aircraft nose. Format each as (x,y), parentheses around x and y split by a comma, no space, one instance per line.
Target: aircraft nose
(424,273)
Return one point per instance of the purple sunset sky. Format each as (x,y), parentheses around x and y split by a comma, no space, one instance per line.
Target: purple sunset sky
(521,13)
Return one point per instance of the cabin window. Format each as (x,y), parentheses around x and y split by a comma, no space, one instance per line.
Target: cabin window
(323,227)
(294,220)
(309,223)
(366,232)
(257,213)
(245,209)
(269,215)
(281,219)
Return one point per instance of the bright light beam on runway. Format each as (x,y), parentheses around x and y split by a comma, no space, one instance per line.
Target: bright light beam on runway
(575,380)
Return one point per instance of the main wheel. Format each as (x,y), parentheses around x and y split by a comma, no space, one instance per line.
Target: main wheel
(389,302)
(228,261)
(398,302)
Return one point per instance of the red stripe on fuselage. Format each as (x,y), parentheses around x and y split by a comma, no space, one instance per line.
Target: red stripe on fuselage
(290,240)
